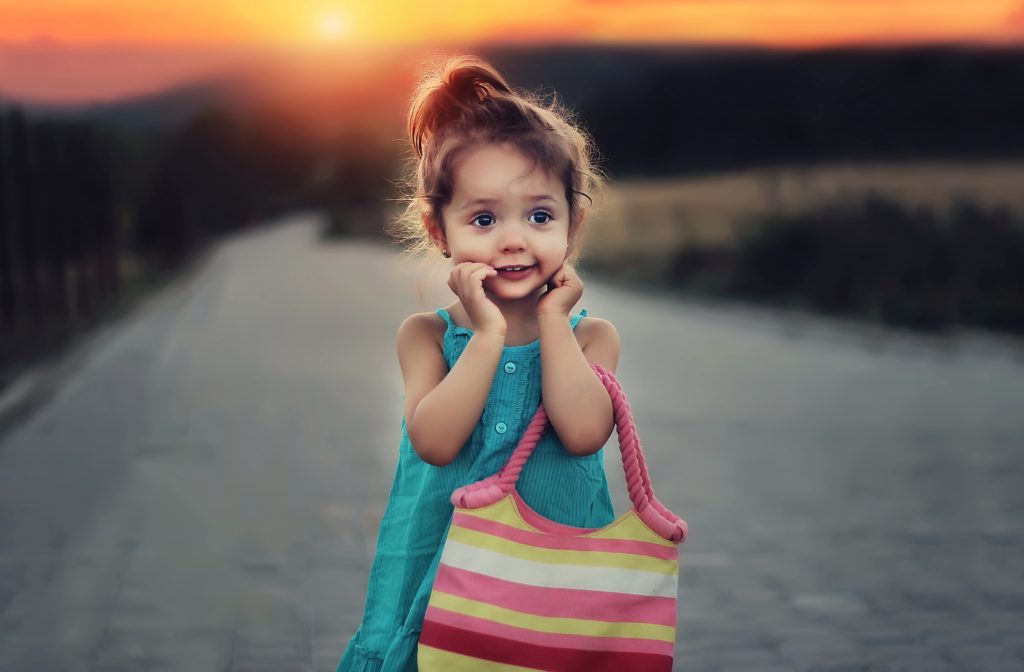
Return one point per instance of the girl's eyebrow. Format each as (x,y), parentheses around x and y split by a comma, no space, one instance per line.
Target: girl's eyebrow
(491,201)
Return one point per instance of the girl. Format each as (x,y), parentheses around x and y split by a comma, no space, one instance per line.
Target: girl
(499,181)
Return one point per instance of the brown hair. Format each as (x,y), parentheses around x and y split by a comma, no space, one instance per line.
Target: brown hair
(465,103)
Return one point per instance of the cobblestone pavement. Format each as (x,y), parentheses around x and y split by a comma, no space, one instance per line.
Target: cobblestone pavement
(202,491)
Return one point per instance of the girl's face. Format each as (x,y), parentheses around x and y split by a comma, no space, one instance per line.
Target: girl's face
(506,212)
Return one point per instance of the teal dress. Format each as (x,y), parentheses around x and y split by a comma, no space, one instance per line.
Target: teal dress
(568,489)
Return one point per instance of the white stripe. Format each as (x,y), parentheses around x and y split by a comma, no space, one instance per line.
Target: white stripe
(544,575)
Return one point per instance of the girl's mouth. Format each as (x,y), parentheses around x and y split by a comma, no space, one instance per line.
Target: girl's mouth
(516,275)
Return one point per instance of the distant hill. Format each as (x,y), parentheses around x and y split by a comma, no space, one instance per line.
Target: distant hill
(157,112)
(676,110)
(671,110)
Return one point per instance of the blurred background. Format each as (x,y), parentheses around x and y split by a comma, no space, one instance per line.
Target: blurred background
(854,159)
(169,168)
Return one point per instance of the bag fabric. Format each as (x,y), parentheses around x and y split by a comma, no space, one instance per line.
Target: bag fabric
(517,591)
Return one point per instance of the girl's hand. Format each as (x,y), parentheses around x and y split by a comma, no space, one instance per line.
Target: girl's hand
(467,281)
(564,289)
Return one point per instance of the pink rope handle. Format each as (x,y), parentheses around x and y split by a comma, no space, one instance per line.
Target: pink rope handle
(638,479)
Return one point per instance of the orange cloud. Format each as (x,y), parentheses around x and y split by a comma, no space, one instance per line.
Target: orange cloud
(1016,19)
(45,71)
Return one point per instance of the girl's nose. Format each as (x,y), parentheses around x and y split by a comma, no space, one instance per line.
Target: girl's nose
(512,239)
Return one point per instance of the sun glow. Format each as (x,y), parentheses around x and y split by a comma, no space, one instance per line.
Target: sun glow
(792,23)
(332,26)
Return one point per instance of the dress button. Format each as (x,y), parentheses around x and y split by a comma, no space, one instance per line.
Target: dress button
(500,428)
(510,367)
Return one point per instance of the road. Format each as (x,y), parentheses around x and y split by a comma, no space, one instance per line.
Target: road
(202,490)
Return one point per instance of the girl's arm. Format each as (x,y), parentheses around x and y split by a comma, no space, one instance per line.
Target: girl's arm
(577,402)
(443,407)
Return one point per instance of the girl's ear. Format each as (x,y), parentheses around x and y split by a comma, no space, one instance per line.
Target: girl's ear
(575,228)
(435,231)
(577,220)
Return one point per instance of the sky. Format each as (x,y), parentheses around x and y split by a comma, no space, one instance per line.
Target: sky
(81,49)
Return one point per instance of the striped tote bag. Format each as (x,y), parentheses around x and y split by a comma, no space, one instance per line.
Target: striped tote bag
(517,591)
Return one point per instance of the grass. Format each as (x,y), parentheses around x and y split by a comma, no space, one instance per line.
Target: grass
(641,225)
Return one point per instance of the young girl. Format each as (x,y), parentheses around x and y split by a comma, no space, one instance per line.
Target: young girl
(499,183)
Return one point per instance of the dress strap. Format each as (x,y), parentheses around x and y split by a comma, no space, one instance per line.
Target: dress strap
(444,314)
(575,319)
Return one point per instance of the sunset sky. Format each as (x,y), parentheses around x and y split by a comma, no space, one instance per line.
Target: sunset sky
(74,38)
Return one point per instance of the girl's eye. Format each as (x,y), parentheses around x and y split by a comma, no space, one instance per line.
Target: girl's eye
(484,220)
(546,215)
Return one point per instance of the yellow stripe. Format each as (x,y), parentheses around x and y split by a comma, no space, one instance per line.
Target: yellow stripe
(429,658)
(555,556)
(552,624)
(627,527)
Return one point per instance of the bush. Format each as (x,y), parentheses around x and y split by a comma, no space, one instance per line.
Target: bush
(882,261)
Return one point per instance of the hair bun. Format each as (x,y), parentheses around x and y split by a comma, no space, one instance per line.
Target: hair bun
(470,80)
(448,93)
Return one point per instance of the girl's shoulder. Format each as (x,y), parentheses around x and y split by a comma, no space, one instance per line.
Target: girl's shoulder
(590,329)
(433,325)
(428,325)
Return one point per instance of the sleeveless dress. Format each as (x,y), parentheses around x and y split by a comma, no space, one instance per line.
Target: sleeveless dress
(568,489)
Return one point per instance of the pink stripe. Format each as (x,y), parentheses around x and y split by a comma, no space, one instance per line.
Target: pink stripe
(592,605)
(537,657)
(580,642)
(471,522)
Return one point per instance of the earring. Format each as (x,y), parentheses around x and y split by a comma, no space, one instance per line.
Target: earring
(446,254)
